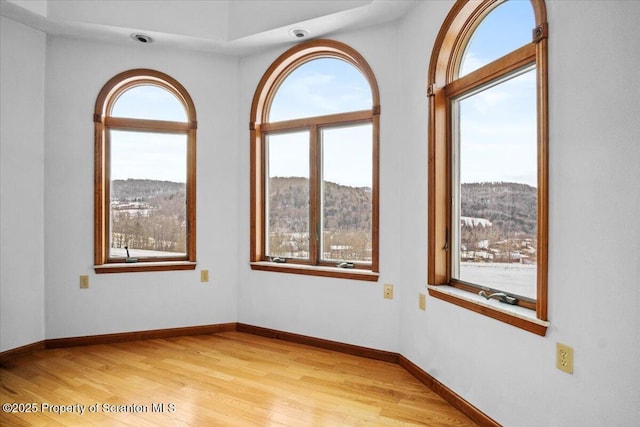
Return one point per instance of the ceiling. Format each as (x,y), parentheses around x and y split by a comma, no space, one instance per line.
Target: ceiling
(235,27)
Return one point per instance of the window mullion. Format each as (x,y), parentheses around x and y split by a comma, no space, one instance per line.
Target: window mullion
(315,159)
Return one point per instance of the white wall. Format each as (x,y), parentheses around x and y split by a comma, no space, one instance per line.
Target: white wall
(348,311)
(187,18)
(76,71)
(594,301)
(36,6)
(594,249)
(22,65)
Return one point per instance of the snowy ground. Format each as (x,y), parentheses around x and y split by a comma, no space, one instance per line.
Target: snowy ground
(515,279)
(142,253)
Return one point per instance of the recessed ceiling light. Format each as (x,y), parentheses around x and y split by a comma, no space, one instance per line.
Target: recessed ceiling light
(298,33)
(142,38)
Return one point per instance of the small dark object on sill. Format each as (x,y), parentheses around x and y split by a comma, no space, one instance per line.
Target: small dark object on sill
(128,259)
(346,265)
(500,296)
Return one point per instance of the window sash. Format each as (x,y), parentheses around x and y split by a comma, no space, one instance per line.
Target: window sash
(513,64)
(141,253)
(296,238)
(455,224)
(359,240)
(315,126)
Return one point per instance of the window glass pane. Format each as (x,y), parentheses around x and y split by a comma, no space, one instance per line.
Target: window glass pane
(287,195)
(495,209)
(504,29)
(320,87)
(148,175)
(149,102)
(346,193)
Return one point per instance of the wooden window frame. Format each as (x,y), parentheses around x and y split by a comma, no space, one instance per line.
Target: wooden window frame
(103,122)
(260,126)
(443,86)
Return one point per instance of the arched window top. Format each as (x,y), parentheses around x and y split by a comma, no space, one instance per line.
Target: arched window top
(465,26)
(151,102)
(144,94)
(336,78)
(319,87)
(505,28)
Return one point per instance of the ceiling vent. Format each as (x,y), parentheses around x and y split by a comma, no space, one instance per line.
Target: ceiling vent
(142,38)
(299,33)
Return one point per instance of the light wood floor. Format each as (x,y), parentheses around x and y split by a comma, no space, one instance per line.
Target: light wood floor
(230,378)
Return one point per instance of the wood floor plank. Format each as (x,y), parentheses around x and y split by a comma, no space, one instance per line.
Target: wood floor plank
(223,379)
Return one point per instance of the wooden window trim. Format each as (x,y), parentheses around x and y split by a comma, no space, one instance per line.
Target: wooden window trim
(316,270)
(122,267)
(442,85)
(323,121)
(259,127)
(103,122)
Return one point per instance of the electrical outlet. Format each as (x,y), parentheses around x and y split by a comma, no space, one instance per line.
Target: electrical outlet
(564,358)
(422,301)
(84,282)
(204,275)
(388,291)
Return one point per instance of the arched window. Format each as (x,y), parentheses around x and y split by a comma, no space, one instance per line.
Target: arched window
(488,178)
(145,136)
(314,164)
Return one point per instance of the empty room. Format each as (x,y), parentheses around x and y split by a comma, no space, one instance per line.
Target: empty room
(320,213)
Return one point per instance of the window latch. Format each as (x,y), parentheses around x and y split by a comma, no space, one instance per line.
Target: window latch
(346,265)
(446,241)
(500,296)
(278,260)
(128,259)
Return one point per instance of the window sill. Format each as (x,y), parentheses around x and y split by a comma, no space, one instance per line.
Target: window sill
(517,316)
(313,270)
(144,266)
